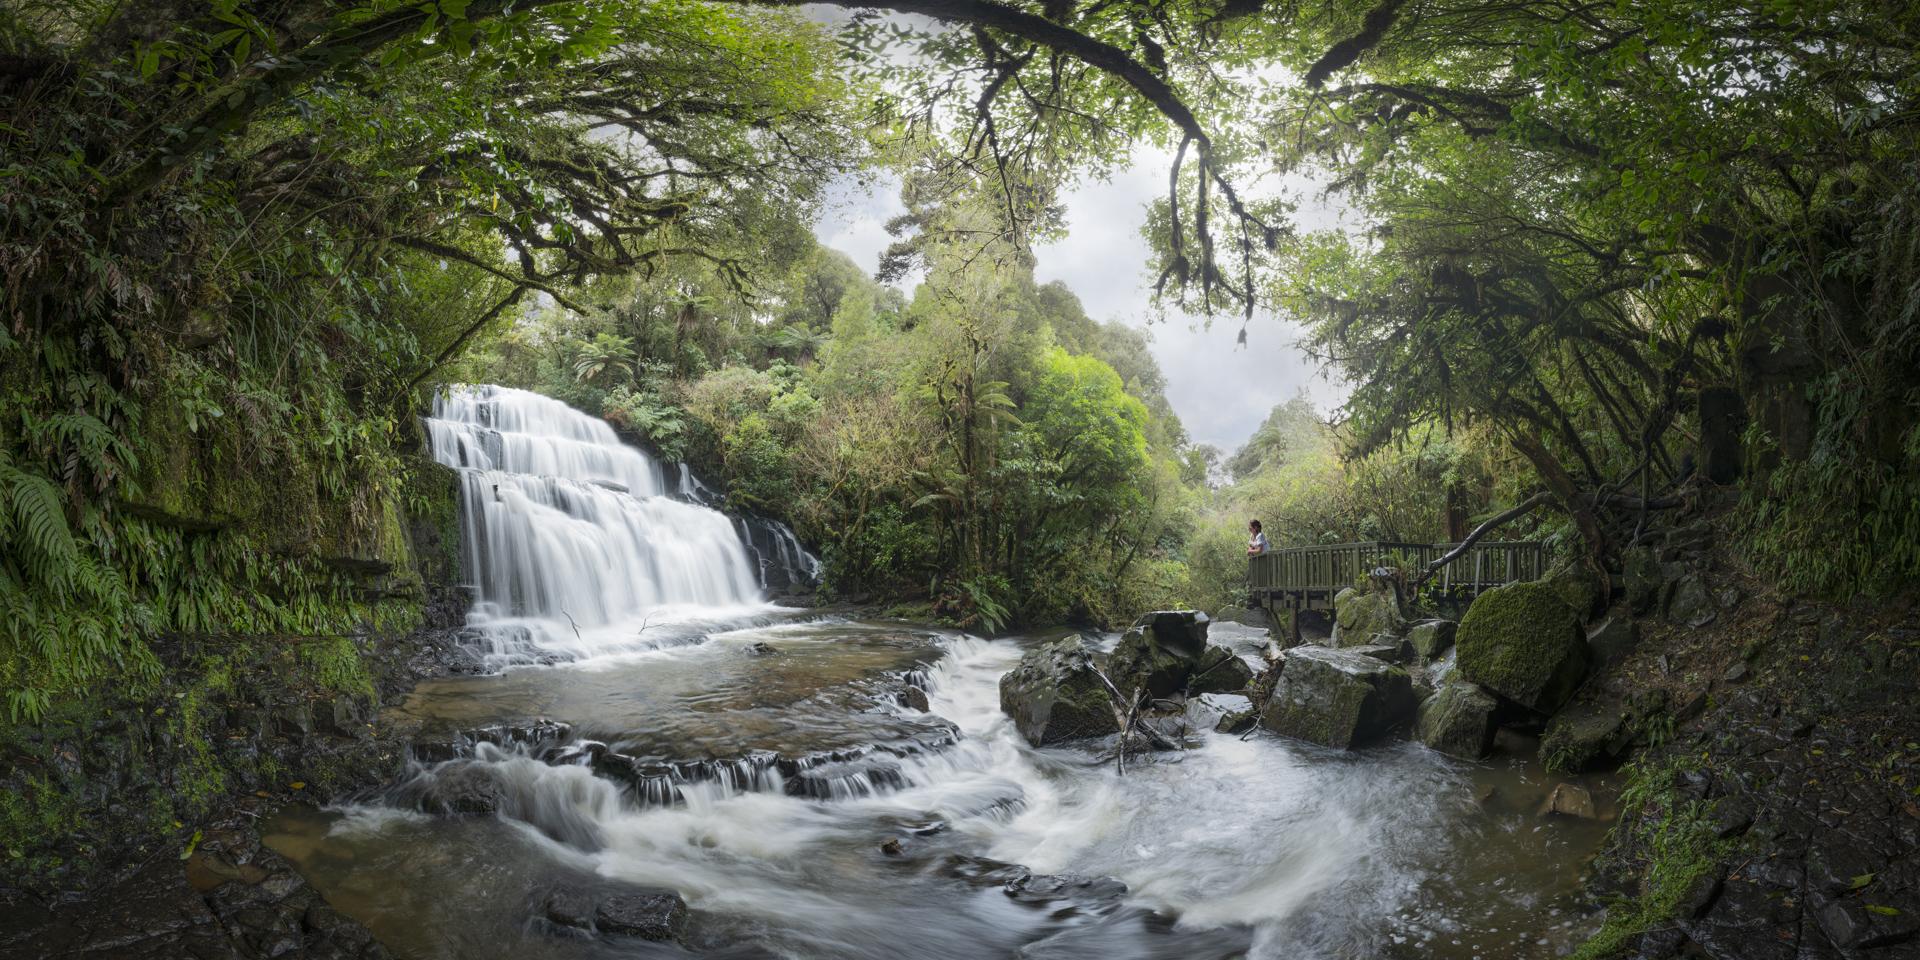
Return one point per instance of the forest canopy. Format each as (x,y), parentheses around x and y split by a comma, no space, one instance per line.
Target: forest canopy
(1623,245)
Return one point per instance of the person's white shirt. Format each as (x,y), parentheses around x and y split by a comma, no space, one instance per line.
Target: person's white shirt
(1258,544)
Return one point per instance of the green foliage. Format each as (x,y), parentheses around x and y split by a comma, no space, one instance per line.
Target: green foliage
(986,446)
(1671,840)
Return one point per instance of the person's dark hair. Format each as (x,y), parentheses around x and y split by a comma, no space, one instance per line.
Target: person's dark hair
(1255,524)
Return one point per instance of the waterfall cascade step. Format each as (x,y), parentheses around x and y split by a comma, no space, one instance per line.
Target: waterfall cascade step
(577,544)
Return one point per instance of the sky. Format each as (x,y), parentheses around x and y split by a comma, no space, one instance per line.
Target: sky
(1221,392)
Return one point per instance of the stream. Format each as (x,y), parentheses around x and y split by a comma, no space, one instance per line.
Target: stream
(756,760)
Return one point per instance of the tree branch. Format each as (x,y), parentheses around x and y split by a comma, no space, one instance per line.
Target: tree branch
(1519,510)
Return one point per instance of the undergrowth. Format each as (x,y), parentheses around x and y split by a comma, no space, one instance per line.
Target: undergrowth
(1671,838)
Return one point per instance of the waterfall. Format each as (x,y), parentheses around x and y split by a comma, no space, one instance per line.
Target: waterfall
(572,541)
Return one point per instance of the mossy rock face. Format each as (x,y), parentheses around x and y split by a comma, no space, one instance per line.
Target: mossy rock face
(1337,698)
(1586,735)
(1431,639)
(1458,720)
(1523,642)
(1579,589)
(1360,615)
(1054,694)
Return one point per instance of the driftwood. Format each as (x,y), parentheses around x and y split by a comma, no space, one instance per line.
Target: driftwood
(1126,713)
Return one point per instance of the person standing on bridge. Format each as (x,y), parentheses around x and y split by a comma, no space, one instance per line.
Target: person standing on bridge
(1257,542)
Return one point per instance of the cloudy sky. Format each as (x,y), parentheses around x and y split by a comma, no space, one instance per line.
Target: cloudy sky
(1220,391)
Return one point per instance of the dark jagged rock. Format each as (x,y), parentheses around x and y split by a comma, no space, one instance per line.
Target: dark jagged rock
(1157,654)
(1055,694)
(1167,652)
(1458,720)
(568,908)
(650,915)
(232,899)
(1646,579)
(915,698)
(1337,698)
(459,788)
(1083,892)
(1691,604)
(1585,735)
(1523,642)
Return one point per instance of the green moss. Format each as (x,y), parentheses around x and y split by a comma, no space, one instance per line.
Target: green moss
(1675,849)
(1577,587)
(1522,642)
(1362,612)
(28,816)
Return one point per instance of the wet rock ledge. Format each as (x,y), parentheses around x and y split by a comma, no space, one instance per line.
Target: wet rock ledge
(235,900)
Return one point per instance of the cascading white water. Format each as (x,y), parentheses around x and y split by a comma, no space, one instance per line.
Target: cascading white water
(573,545)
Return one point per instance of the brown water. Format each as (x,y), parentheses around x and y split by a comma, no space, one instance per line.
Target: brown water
(1259,847)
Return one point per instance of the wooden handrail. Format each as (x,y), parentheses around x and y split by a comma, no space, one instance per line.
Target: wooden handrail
(1332,566)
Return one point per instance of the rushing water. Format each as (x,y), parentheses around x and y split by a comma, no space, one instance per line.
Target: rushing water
(573,544)
(760,771)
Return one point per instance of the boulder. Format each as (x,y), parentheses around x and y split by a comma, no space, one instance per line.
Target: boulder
(1167,652)
(1585,735)
(1361,612)
(460,788)
(1458,720)
(1392,652)
(651,915)
(1337,698)
(1431,639)
(915,698)
(1220,671)
(1579,588)
(1055,694)
(1691,604)
(1570,800)
(1255,617)
(1523,642)
(567,907)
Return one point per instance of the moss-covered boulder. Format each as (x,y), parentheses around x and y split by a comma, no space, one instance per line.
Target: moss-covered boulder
(1582,590)
(1431,639)
(1458,720)
(1523,642)
(1337,698)
(1361,613)
(1055,694)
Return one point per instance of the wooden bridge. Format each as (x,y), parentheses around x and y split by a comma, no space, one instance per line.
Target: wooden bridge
(1306,578)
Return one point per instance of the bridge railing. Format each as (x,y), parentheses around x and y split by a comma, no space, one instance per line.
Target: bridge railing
(1318,572)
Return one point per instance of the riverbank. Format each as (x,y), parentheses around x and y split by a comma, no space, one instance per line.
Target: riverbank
(1774,813)
(111,882)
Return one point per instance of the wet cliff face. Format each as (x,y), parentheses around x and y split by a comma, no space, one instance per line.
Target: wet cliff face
(293,616)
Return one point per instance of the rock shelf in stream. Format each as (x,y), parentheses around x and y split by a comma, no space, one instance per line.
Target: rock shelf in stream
(456,776)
